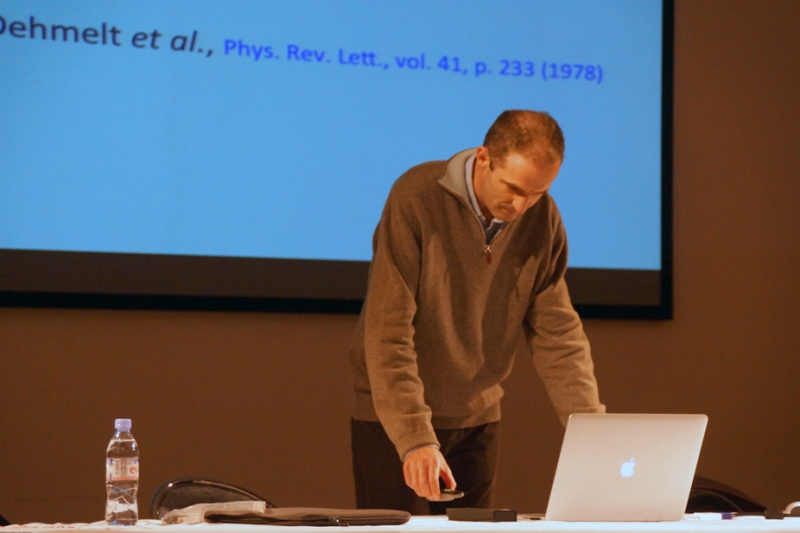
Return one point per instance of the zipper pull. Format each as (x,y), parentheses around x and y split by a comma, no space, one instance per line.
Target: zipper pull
(488,254)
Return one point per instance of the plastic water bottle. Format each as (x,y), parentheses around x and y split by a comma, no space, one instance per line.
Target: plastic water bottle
(122,476)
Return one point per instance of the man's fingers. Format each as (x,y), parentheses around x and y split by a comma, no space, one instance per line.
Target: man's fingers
(431,481)
(447,476)
(421,471)
(411,473)
(412,477)
(407,474)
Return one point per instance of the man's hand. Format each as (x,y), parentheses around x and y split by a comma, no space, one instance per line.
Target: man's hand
(422,469)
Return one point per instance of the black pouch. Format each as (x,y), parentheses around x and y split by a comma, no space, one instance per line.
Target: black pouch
(314,516)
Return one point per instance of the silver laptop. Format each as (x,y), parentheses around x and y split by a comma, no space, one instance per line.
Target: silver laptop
(626,467)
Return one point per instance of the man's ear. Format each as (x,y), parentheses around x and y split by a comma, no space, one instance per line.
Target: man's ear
(482,158)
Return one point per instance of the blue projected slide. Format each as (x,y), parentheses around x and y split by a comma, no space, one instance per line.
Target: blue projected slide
(275,129)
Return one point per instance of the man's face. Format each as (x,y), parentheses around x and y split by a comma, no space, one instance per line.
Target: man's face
(508,190)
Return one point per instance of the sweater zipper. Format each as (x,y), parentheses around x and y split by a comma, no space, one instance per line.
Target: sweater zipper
(487,248)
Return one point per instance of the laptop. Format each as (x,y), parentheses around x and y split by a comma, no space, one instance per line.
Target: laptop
(626,467)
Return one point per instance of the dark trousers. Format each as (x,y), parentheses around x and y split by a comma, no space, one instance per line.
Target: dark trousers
(471,453)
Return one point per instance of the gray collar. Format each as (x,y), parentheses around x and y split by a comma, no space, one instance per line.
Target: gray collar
(453,178)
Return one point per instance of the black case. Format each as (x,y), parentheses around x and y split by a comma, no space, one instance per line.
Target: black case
(315,516)
(472,514)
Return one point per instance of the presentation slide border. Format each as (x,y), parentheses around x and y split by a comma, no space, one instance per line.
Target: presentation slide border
(34,278)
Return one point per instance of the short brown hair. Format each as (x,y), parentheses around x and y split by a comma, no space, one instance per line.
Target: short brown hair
(533,134)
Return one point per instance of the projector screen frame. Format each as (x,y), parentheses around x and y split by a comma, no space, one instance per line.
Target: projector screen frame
(34,278)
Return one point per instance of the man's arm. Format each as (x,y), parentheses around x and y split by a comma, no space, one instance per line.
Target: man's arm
(561,352)
(390,307)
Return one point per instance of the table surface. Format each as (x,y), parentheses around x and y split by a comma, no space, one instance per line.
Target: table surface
(440,524)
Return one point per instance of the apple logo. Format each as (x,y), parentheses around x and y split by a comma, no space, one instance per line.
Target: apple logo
(626,470)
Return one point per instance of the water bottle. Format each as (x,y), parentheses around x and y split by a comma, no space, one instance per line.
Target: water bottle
(122,476)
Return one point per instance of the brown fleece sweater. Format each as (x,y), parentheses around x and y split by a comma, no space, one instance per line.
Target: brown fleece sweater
(442,317)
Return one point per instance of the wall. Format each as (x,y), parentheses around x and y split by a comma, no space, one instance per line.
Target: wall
(263,399)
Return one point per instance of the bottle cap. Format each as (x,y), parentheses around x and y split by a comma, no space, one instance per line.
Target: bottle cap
(122,424)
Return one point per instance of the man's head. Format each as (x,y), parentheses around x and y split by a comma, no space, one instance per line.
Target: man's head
(532,134)
(518,162)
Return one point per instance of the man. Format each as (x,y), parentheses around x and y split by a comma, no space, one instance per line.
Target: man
(468,252)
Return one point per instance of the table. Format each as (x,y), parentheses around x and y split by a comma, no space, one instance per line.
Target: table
(438,524)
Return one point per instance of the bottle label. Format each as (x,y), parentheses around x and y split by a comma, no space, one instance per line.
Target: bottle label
(122,469)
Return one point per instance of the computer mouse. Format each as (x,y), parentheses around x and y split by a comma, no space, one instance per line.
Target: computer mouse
(448,495)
